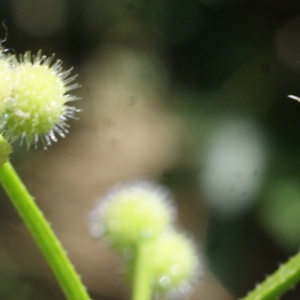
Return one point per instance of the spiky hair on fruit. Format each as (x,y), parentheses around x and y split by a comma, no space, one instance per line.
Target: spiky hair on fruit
(6,79)
(36,109)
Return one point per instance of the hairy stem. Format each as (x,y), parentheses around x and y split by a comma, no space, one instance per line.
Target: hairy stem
(42,234)
(279,282)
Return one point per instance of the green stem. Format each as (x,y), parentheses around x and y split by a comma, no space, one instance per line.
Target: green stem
(42,234)
(279,282)
(142,272)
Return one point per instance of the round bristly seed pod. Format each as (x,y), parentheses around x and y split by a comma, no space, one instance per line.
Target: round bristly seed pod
(175,264)
(37,107)
(132,212)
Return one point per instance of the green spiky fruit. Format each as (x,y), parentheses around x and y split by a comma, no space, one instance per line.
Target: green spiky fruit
(174,263)
(6,74)
(37,107)
(132,212)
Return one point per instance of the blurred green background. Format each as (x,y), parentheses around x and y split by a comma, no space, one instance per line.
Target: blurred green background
(192,93)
